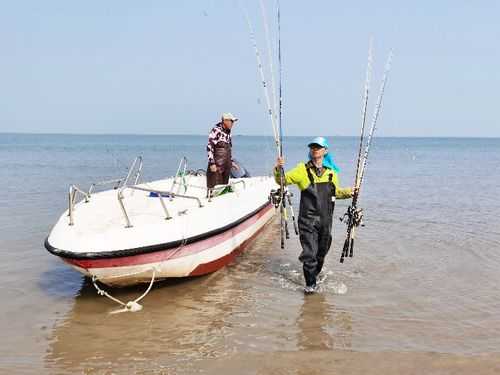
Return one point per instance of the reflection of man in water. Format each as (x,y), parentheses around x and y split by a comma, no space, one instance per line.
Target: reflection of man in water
(321,327)
(313,323)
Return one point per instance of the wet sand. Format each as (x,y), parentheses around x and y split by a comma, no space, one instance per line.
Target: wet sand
(333,362)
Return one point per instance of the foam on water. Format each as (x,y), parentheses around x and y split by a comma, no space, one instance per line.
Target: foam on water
(292,279)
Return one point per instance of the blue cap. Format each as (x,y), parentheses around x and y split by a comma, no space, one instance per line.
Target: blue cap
(320,141)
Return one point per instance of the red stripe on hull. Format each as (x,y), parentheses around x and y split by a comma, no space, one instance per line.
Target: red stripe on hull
(213,266)
(162,255)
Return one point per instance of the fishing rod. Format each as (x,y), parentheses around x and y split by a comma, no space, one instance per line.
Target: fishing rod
(353,217)
(263,80)
(350,215)
(283,221)
(269,55)
(364,110)
(387,69)
(286,195)
(279,197)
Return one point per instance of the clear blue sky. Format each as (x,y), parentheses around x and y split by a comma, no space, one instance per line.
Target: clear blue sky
(174,66)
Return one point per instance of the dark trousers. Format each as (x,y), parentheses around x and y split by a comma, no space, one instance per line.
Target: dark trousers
(316,239)
(221,177)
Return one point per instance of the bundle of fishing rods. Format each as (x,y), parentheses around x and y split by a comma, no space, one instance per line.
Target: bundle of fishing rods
(281,197)
(353,217)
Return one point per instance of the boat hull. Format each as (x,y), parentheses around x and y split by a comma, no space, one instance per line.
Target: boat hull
(200,257)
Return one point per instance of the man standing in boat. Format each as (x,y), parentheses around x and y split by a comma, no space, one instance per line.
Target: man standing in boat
(319,187)
(219,151)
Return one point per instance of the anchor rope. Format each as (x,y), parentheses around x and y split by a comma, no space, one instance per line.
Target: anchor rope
(130,305)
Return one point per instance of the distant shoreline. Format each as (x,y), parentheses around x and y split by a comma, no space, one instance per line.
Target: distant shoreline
(242,135)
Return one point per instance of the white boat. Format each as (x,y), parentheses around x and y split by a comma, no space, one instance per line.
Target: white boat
(160,229)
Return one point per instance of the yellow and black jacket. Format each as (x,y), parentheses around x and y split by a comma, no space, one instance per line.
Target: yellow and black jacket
(317,192)
(299,176)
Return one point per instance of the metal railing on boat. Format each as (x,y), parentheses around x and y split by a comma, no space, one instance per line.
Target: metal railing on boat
(180,175)
(164,193)
(180,181)
(160,193)
(134,172)
(116,181)
(73,191)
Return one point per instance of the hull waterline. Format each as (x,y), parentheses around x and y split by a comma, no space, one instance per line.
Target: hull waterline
(200,236)
(198,258)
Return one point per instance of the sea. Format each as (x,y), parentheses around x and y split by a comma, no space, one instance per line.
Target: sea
(420,295)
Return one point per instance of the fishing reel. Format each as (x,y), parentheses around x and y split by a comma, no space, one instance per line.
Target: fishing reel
(353,216)
(275,197)
(278,198)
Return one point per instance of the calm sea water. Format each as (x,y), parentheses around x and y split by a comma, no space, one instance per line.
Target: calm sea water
(425,276)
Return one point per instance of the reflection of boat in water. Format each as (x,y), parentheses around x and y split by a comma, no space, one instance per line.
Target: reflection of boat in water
(166,228)
(185,320)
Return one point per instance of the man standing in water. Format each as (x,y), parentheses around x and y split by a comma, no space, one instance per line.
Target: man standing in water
(219,151)
(319,186)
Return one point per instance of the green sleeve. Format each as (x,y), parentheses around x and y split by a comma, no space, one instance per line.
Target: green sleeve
(341,193)
(294,176)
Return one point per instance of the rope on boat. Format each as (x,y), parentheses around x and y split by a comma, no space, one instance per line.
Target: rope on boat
(132,306)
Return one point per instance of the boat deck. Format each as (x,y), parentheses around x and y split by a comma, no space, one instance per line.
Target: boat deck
(106,224)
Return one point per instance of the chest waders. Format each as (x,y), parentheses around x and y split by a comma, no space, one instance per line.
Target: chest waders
(315,224)
(222,158)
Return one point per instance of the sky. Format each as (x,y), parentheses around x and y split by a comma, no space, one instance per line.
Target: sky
(172,67)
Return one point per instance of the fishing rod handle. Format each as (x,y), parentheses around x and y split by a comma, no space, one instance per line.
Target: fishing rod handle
(295,227)
(344,250)
(282,237)
(290,206)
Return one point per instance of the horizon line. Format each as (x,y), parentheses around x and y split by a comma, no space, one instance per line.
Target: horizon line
(245,135)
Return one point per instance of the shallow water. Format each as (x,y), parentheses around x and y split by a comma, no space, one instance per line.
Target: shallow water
(425,277)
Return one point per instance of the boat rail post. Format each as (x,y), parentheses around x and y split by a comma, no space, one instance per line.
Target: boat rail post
(183,177)
(73,190)
(70,205)
(168,216)
(182,163)
(132,166)
(122,206)
(132,169)
(139,171)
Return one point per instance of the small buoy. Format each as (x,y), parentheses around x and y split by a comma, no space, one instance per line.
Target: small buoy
(133,306)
